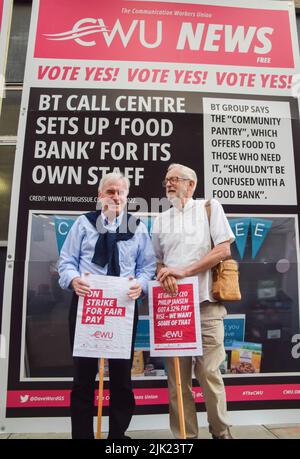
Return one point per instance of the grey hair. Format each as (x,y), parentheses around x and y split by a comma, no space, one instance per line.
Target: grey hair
(187,172)
(113,177)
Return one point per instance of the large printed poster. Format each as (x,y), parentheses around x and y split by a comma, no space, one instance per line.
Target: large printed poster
(134,86)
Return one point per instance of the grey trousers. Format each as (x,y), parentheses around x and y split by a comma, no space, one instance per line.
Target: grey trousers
(207,374)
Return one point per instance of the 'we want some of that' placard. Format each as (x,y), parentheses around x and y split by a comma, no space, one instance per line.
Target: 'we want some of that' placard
(175,320)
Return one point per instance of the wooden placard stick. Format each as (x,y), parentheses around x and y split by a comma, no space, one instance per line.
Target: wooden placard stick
(100,397)
(179,398)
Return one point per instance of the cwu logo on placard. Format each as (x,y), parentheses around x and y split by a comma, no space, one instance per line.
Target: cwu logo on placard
(103,335)
(172,335)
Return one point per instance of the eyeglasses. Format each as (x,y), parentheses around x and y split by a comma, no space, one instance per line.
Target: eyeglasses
(172,180)
(111,193)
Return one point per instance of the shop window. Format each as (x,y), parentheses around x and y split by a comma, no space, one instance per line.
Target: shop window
(18,41)
(7,156)
(10,112)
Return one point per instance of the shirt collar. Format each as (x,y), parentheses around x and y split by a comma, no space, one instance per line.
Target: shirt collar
(188,205)
(115,223)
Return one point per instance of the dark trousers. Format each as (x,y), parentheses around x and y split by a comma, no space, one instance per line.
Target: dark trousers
(122,403)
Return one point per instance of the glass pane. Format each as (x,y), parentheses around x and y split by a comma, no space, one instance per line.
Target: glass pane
(7,156)
(48,352)
(10,112)
(18,41)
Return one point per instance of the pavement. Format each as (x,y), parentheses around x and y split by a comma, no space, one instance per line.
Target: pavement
(267,432)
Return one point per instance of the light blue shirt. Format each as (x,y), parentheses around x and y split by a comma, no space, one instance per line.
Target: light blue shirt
(136,256)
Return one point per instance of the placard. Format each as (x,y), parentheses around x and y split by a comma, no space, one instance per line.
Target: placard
(104,319)
(175,320)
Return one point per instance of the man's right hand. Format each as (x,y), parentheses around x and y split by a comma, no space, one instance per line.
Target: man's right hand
(80,287)
(169,285)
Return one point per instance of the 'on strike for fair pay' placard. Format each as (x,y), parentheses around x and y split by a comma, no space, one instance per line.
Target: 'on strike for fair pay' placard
(104,319)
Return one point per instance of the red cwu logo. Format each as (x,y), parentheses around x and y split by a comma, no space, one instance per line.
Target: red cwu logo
(89,26)
(103,335)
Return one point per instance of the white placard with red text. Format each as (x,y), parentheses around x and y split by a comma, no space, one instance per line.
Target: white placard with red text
(175,320)
(104,319)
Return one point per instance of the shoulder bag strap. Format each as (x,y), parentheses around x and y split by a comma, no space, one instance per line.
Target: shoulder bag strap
(208,211)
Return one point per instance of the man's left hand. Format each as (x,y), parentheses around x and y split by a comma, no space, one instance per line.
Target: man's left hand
(178,273)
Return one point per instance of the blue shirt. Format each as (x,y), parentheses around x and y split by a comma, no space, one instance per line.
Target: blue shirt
(136,256)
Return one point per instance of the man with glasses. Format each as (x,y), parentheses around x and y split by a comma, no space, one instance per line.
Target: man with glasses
(107,242)
(182,244)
